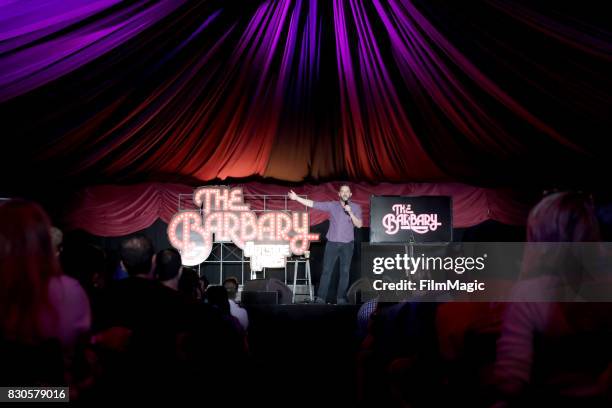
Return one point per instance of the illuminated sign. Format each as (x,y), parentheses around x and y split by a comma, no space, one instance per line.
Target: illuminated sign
(267,240)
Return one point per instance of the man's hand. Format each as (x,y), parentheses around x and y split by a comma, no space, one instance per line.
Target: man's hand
(356,221)
(301,200)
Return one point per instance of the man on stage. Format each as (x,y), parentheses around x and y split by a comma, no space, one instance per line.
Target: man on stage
(343,216)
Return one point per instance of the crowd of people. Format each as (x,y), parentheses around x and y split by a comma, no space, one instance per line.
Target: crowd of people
(64,320)
(160,331)
(498,354)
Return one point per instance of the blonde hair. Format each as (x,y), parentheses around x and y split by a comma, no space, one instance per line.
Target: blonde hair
(563,217)
(559,219)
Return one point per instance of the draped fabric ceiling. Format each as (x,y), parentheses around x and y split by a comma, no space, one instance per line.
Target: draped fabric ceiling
(488,92)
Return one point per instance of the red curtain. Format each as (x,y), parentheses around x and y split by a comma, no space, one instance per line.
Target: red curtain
(488,92)
(121,210)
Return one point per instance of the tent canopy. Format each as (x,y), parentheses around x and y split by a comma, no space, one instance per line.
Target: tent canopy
(489,92)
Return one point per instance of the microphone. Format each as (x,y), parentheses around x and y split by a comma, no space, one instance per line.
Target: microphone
(345,203)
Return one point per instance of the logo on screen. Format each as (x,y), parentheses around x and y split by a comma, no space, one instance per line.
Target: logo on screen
(404,218)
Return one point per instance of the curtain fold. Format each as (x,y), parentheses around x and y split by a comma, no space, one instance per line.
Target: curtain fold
(485,92)
(120,210)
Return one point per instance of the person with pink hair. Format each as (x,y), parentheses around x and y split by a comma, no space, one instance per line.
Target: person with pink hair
(38,303)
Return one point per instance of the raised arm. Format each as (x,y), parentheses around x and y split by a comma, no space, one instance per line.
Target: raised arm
(304,201)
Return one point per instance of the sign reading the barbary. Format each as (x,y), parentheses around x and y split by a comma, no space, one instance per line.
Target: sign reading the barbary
(267,239)
(410,219)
